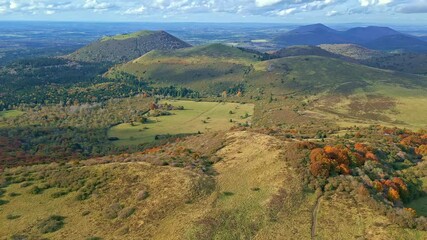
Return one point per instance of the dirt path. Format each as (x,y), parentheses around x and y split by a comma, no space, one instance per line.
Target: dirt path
(314,218)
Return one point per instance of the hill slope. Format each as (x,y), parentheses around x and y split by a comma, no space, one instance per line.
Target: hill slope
(261,190)
(216,68)
(403,62)
(123,48)
(211,68)
(398,42)
(219,66)
(366,34)
(351,50)
(305,50)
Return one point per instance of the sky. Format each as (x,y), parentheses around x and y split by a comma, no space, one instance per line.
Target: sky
(280,11)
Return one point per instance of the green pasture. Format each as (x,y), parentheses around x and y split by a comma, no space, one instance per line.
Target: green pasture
(196,117)
(11,113)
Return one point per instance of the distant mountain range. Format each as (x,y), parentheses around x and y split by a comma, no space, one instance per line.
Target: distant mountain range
(378,38)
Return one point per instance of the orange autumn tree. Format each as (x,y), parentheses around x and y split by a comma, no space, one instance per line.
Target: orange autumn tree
(400,184)
(397,188)
(411,211)
(324,161)
(357,159)
(421,150)
(393,194)
(153,106)
(365,151)
(224,94)
(360,147)
(378,186)
(402,188)
(337,159)
(320,164)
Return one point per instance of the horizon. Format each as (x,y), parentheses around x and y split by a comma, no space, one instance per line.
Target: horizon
(328,24)
(218,11)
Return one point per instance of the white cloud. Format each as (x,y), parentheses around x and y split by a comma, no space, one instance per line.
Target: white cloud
(332,13)
(366,3)
(265,3)
(13,5)
(419,6)
(285,12)
(136,11)
(384,2)
(241,8)
(97,6)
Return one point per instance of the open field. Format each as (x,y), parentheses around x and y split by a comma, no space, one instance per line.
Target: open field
(385,104)
(196,117)
(130,199)
(342,217)
(420,204)
(11,113)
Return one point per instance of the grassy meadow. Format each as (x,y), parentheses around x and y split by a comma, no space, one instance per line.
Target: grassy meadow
(420,204)
(113,200)
(11,113)
(196,117)
(385,104)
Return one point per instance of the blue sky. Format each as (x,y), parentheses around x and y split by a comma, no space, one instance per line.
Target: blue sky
(282,11)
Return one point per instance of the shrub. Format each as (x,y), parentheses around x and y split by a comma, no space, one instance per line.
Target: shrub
(14,194)
(19,237)
(126,212)
(59,194)
(113,210)
(26,184)
(123,231)
(2,202)
(12,216)
(36,190)
(142,195)
(227,194)
(51,224)
(85,213)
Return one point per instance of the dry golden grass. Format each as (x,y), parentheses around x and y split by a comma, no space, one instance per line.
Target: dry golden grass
(257,192)
(168,189)
(343,217)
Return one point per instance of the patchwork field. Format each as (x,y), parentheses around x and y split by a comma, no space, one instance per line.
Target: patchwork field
(196,117)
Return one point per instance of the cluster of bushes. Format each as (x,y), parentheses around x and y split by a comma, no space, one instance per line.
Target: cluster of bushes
(51,224)
(332,160)
(369,162)
(117,210)
(352,185)
(67,180)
